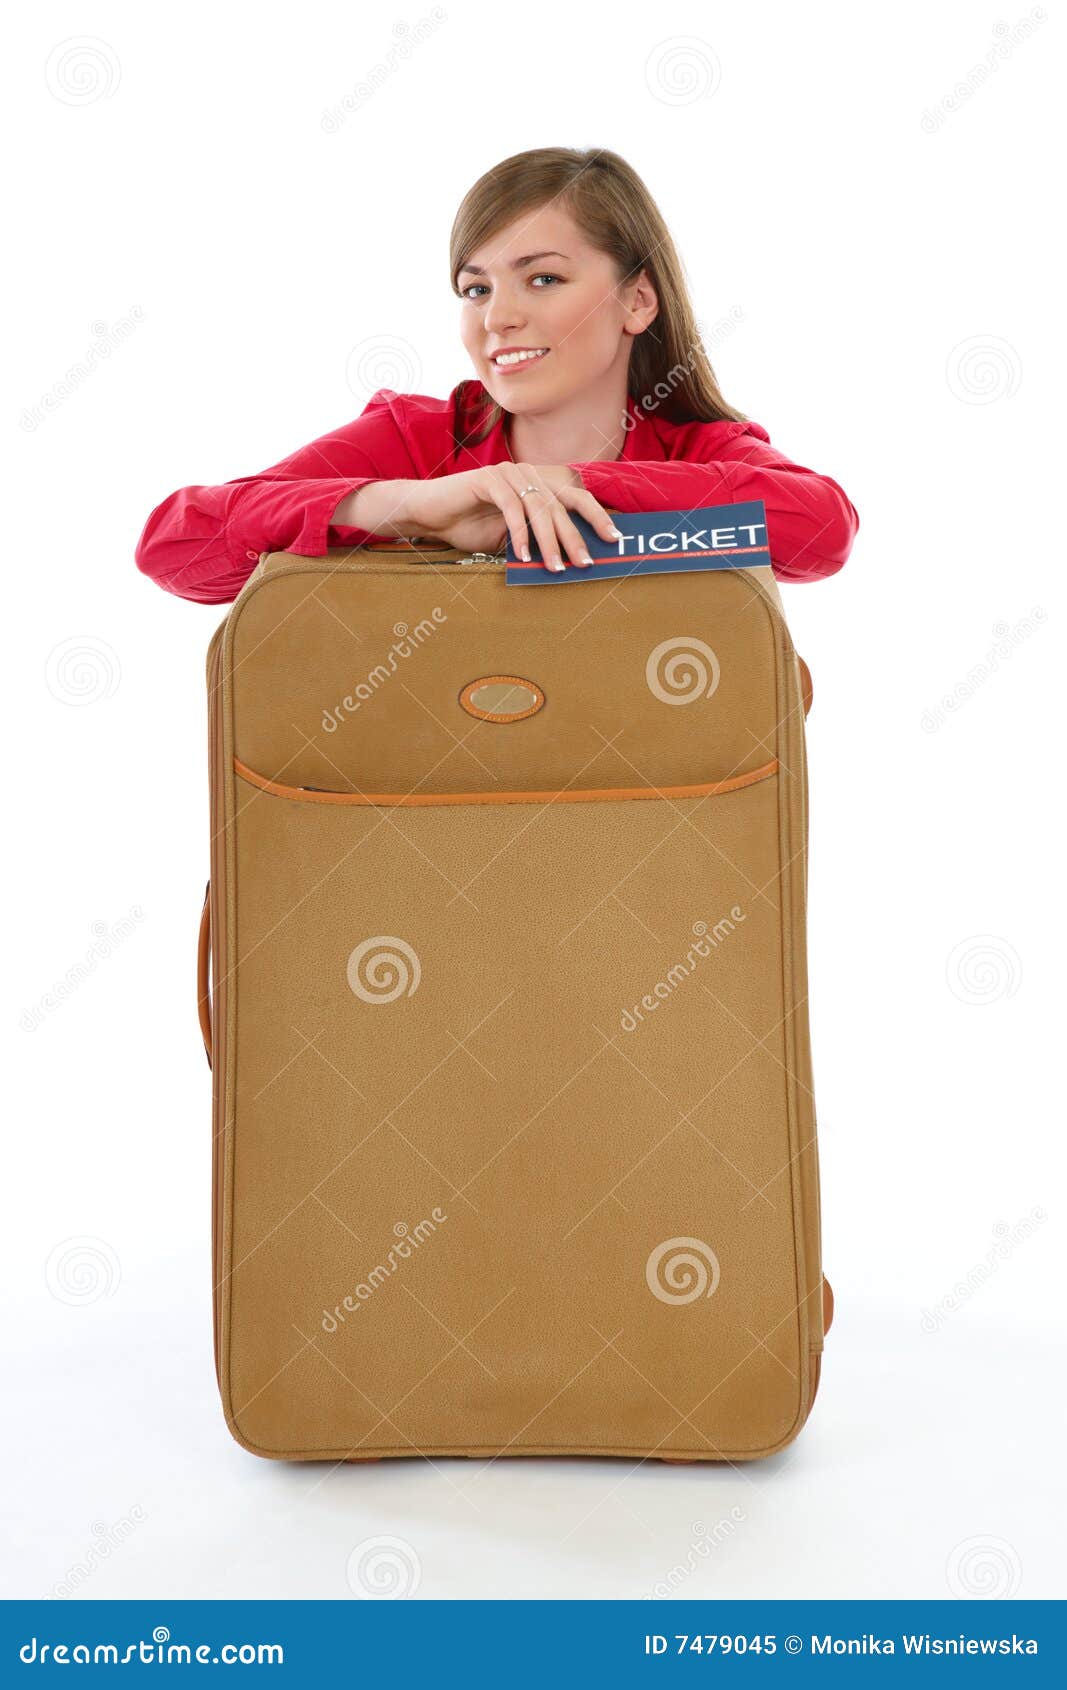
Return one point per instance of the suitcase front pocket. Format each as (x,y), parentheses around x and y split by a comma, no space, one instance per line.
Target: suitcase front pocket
(499,1057)
(318,795)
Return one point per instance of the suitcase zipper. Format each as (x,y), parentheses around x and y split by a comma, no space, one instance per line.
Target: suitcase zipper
(460,562)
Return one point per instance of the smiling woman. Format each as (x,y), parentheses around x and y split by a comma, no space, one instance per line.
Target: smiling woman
(593,392)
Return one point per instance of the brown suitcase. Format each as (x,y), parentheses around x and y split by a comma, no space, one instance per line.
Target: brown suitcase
(514,1134)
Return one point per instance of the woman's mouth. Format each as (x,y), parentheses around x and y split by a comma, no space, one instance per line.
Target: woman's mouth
(511,362)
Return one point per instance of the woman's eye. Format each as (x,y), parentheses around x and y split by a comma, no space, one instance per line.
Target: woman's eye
(470,292)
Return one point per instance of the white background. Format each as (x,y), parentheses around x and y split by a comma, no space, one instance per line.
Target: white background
(896,324)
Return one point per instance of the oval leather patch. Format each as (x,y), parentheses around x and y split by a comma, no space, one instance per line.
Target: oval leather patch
(501,698)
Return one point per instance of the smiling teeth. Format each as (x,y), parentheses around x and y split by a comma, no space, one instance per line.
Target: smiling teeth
(519,357)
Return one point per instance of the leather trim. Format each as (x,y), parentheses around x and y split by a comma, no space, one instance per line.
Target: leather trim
(312,795)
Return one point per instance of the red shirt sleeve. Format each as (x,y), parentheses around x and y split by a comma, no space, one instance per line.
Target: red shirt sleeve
(811,523)
(202,543)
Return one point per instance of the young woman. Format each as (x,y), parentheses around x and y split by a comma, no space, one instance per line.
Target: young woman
(593,392)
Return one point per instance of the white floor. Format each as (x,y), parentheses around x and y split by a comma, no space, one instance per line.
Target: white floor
(928,1469)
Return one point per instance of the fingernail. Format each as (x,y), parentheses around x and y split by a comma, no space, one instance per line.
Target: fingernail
(616,533)
(525,554)
(585,560)
(554,563)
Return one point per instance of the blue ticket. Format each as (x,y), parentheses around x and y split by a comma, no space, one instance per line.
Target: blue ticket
(657,543)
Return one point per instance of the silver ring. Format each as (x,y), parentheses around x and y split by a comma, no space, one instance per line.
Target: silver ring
(524,490)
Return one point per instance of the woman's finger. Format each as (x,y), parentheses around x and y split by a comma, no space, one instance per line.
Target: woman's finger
(571,538)
(559,539)
(538,507)
(588,506)
(536,501)
(494,486)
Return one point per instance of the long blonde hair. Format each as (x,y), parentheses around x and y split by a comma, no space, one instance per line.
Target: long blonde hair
(669,365)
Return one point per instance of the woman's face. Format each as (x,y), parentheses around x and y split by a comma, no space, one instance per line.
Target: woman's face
(538,284)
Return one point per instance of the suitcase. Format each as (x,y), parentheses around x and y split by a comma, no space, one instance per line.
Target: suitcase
(514,1142)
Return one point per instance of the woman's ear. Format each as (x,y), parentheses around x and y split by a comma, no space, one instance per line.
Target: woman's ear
(642,304)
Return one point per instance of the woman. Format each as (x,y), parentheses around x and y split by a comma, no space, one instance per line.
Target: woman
(593,392)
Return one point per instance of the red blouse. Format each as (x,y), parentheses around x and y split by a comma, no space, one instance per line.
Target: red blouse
(203,542)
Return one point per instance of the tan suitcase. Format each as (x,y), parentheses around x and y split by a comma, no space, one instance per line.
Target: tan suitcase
(514,1134)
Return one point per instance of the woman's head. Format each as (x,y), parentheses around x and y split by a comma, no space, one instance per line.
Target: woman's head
(600,285)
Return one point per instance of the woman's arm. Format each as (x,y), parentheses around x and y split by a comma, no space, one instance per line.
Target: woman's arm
(202,543)
(811,522)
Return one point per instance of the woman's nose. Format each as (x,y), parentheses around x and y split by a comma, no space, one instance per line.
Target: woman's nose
(503,312)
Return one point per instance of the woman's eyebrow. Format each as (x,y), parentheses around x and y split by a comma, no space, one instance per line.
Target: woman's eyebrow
(516,263)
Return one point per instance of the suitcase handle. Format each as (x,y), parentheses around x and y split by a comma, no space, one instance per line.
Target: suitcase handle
(203,972)
(805,683)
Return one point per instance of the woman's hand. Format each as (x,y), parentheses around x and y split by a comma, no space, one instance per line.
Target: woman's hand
(478,508)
